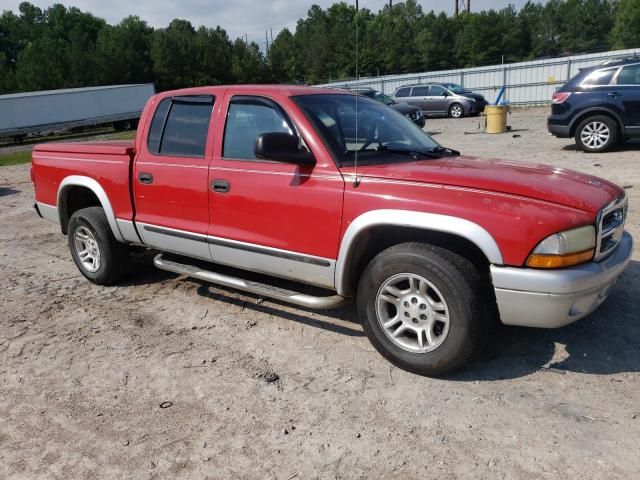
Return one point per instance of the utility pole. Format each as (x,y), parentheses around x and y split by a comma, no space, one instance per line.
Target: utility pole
(390,3)
(465,4)
(266,37)
(356,5)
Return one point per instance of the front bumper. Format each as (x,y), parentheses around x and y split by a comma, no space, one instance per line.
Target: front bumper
(553,298)
(420,121)
(475,107)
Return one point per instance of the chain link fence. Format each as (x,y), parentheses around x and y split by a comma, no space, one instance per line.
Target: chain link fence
(528,83)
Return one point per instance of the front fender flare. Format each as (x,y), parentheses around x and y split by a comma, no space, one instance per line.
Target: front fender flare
(406,218)
(96,188)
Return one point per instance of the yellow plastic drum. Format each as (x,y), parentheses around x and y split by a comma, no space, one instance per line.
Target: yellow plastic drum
(496,118)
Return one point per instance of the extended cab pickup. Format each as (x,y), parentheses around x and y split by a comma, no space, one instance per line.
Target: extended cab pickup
(331,189)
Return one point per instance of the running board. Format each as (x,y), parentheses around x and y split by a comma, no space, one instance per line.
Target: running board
(300,299)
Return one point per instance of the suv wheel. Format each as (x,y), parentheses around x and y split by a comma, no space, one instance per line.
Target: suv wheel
(422,308)
(95,251)
(597,134)
(456,111)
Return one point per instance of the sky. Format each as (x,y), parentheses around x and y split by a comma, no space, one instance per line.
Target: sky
(237,17)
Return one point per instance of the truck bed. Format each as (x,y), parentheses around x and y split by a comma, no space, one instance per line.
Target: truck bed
(107,163)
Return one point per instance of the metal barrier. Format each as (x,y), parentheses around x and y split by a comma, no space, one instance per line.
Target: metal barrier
(528,83)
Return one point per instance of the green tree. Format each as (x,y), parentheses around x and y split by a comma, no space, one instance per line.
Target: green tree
(173,54)
(248,64)
(123,53)
(284,58)
(626,30)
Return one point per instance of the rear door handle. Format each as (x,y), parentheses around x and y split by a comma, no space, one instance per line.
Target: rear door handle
(614,94)
(145,178)
(220,186)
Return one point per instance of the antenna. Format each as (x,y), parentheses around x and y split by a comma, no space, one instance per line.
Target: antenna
(356,181)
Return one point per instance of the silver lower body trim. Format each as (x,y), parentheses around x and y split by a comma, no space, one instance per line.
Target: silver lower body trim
(296,298)
(550,299)
(175,241)
(128,231)
(49,212)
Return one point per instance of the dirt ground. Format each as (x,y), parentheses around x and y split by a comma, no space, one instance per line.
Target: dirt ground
(165,377)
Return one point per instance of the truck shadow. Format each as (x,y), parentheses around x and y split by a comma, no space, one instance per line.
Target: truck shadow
(604,343)
(6,191)
(628,146)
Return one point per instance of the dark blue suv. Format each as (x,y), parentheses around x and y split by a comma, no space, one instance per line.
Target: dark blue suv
(600,106)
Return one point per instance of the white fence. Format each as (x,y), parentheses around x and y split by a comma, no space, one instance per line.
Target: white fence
(528,83)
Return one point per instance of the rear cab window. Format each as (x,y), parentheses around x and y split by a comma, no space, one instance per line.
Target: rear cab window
(180,126)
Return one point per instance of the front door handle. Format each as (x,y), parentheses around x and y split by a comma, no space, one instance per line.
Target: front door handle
(614,94)
(220,186)
(145,178)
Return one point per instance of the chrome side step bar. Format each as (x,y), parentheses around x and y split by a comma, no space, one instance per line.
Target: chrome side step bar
(300,299)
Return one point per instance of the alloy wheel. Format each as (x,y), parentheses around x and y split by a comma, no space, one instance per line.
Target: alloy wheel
(412,313)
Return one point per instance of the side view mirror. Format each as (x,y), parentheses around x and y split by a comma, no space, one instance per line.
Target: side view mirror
(445,94)
(282,147)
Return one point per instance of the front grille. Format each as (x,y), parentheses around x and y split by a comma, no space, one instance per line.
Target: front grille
(611,226)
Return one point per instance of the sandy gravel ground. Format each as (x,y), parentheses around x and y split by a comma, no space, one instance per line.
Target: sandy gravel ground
(85,371)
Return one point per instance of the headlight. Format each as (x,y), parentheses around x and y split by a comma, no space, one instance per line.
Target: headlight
(564,249)
(471,99)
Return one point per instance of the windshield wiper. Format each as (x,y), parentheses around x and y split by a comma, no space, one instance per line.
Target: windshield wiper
(450,151)
(407,151)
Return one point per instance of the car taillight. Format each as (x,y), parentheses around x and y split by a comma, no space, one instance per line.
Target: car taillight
(560,97)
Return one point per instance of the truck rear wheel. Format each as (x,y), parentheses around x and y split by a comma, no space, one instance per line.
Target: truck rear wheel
(96,252)
(422,308)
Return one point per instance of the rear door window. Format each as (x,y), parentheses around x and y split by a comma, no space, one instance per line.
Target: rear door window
(180,126)
(629,75)
(403,92)
(420,92)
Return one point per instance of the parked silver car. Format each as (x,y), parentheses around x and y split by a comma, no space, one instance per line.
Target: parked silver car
(442,99)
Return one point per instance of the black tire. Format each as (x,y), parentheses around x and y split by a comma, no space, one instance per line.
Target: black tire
(460,286)
(456,110)
(593,125)
(113,255)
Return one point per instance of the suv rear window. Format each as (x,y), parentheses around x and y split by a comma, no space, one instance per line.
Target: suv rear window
(403,92)
(599,77)
(180,126)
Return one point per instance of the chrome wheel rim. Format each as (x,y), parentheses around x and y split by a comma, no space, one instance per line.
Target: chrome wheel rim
(87,249)
(413,313)
(595,134)
(456,111)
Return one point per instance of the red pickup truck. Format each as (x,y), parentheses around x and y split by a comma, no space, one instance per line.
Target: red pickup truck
(331,189)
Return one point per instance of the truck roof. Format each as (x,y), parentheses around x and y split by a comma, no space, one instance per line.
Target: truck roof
(288,90)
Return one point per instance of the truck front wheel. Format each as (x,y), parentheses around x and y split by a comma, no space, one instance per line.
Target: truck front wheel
(96,252)
(422,308)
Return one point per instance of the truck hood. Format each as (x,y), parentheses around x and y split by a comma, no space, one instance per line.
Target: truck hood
(541,182)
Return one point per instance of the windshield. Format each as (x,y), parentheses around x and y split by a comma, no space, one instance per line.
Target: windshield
(380,97)
(455,88)
(381,135)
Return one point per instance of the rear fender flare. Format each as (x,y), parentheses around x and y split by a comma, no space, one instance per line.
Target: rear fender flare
(420,220)
(96,188)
